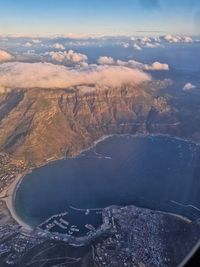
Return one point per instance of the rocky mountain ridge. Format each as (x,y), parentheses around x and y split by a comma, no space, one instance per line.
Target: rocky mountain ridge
(39,124)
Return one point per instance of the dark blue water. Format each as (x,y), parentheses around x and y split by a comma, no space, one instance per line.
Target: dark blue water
(152,172)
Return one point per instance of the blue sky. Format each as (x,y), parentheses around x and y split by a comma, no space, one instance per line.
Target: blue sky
(107,17)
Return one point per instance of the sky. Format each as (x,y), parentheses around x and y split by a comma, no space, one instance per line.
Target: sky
(99,17)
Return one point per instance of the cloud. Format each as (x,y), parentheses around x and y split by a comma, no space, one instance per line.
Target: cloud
(140,43)
(157,66)
(125,45)
(144,39)
(5,56)
(133,64)
(106,61)
(176,39)
(188,86)
(28,44)
(137,47)
(145,42)
(138,65)
(36,41)
(58,46)
(67,57)
(171,39)
(187,39)
(130,64)
(31,42)
(47,75)
(30,52)
(150,45)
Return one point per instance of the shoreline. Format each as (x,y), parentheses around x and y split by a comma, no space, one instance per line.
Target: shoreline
(104,137)
(10,192)
(9,200)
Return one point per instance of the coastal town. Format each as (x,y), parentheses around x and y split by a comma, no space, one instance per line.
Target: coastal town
(118,240)
(9,169)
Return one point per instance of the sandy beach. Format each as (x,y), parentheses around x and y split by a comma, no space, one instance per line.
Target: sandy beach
(9,200)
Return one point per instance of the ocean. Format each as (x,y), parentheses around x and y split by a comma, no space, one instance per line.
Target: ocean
(156,172)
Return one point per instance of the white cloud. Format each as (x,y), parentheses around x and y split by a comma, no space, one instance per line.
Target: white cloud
(5,56)
(145,39)
(171,39)
(36,41)
(68,57)
(31,42)
(47,75)
(188,86)
(138,65)
(157,66)
(30,52)
(125,45)
(177,39)
(140,43)
(106,61)
(187,39)
(150,45)
(130,64)
(28,44)
(137,47)
(145,42)
(58,46)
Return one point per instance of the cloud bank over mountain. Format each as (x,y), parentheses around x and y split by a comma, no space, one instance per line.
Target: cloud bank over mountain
(47,75)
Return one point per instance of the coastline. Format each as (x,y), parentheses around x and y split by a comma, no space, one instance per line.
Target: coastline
(8,196)
(104,137)
(9,200)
